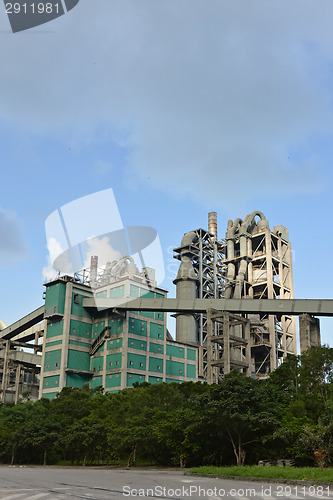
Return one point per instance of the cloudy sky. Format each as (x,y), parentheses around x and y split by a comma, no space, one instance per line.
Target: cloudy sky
(180,106)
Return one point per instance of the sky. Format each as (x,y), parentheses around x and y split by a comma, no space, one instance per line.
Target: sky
(181,107)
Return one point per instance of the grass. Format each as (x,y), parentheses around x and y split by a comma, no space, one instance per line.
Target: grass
(303,473)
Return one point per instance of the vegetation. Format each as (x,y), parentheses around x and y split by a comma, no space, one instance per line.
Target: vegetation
(302,473)
(289,415)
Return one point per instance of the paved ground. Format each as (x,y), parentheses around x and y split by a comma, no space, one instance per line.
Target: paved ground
(47,483)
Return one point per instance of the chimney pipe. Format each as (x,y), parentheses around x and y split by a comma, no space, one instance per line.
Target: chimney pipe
(93,268)
(212,223)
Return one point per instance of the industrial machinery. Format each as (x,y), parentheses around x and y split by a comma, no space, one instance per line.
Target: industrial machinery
(251,262)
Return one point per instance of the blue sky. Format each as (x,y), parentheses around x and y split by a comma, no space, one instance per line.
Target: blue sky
(180,106)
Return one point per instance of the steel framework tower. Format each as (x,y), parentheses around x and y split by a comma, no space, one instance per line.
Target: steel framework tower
(252,262)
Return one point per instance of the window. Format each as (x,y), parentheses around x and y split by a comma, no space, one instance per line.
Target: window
(142,328)
(117,363)
(159,335)
(57,365)
(110,376)
(57,381)
(47,367)
(46,383)
(110,363)
(131,363)
(130,375)
(180,372)
(117,375)
(158,367)
(74,330)
(118,341)
(76,298)
(142,345)
(132,343)
(141,365)
(159,349)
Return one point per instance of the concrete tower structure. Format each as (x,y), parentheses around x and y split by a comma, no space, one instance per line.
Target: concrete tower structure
(252,262)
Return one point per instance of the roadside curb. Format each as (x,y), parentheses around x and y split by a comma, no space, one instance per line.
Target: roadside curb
(263,479)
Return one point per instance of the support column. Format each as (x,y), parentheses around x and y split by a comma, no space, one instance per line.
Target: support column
(209,347)
(309,331)
(226,344)
(65,335)
(17,383)
(5,373)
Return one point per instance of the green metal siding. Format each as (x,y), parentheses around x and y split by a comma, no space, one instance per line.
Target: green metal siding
(155,364)
(190,371)
(97,328)
(96,382)
(136,361)
(116,325)
(81,344)
(97,363)
(76,379)
(51,382)
(118,291)
(173,350)
(137,344)
(147,294)
(78,309)
(134,291)
(50,395)
(134,377)
(174,368)
(191,354)
(113,380)
(51,344)
(153,347)
(104,293)
(52,360)
(78,360)
(80,329)
(54,329)
(147,314)
(137,326)
(155,380)
(114,344)
(113,361)
(172,381)
(156,331)
(55,298)
(159,315)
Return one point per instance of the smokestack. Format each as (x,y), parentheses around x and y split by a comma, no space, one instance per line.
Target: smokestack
(93,268)
(212,223)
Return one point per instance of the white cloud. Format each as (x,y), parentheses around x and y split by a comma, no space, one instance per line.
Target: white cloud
(103,249)
(60,256)
(211,96)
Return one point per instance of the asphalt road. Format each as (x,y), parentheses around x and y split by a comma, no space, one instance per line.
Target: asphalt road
(47,483)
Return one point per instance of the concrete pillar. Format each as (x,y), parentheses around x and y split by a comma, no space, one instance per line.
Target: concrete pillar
(65,335)
(309,331)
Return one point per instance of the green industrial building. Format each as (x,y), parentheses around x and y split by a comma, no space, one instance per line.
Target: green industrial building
(109,348)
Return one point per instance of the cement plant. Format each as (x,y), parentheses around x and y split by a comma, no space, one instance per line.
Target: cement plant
(234,308)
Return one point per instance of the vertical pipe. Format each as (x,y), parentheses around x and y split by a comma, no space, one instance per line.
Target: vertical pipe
(93,268)
(212,223)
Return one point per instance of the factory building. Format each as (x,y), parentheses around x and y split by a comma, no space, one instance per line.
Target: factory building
(86,338)
(109,349)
